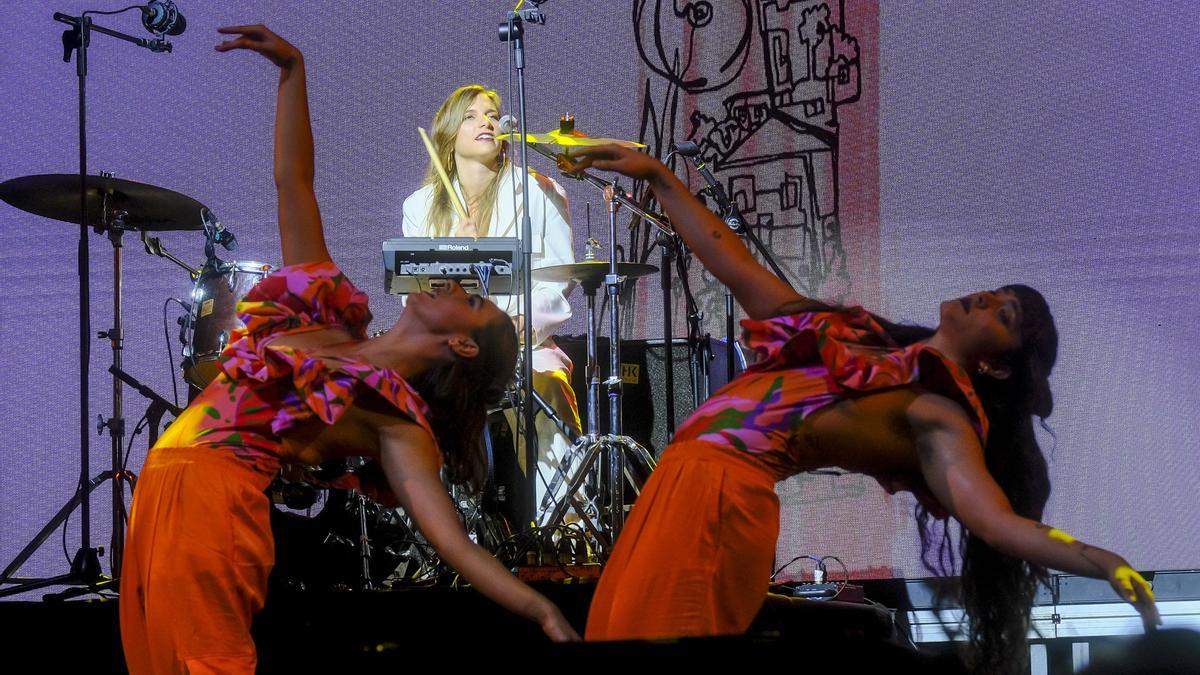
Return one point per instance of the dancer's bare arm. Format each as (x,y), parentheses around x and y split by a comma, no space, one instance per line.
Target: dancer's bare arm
(411,463)
(722,252)
(953,466)
(300,232)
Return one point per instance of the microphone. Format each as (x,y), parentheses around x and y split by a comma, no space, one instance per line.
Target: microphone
(162,16)
(218,232)
(507,124)
(224,237)
(727,209)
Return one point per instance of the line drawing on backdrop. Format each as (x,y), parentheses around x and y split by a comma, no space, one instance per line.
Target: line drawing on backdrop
(757,85)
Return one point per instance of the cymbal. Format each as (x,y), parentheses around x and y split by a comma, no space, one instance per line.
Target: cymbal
(590,272)
(147,207)
(569,140)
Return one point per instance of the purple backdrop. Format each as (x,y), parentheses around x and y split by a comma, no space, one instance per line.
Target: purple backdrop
(1056,148)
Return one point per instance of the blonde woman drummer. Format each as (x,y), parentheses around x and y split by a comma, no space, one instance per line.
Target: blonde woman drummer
(488,188)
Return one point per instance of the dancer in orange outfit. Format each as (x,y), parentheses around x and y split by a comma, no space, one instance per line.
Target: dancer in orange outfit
(946,414)
(301,384)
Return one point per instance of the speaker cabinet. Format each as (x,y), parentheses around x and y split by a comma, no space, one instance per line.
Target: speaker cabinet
(644,383)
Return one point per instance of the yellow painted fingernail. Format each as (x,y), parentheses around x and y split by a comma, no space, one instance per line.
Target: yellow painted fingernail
(1058,534)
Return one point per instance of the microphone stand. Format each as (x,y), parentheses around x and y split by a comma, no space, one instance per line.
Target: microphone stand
(699,347)
(85,566)
(667,247)
(728,210)
(758,246)
(513,32)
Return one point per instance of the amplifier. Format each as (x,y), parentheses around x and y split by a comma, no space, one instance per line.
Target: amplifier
(643,372)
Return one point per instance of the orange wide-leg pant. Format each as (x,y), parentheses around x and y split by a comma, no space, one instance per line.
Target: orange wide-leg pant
(695,556)
(197,555)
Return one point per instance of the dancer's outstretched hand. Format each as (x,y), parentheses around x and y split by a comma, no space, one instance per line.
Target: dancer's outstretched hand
(613,158)
(555,626)
(259,38)
(1135,590)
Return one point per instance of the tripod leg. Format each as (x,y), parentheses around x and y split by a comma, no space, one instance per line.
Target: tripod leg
(562,472)
(85,570)
(591,526)
(53,525)
(589,459)
(552,414)
(640,461)
(34,585)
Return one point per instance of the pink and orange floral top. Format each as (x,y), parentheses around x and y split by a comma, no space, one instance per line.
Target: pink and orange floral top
(264,389)
(807,361)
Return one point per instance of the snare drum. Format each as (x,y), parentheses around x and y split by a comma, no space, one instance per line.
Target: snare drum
(215,296)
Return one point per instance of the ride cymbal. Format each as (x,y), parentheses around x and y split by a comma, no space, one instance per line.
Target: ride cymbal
(146,207)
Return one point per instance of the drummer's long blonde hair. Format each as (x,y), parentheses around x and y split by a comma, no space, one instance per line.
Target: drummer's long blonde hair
(446,122)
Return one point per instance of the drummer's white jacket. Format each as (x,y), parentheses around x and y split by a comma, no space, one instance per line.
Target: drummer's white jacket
(550,218)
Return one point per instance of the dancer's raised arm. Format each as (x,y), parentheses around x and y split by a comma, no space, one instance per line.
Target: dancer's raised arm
(300,233)
(758,291)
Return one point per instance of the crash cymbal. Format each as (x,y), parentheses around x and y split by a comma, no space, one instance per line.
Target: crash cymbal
(569,140)
(147,207)
(590,272)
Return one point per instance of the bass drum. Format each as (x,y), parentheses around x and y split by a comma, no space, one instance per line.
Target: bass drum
(213,316)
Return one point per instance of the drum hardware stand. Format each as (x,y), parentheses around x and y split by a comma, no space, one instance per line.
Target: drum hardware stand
(613,445)
(699,344)
(673,248)
(359,505)
(541,406)
(364,543)
(413,541)
(512,30)
(483,272)
(154,246)
(158,404)
(729,212)
(667,246)
(85,566)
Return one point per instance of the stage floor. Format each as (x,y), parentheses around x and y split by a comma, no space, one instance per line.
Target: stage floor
(386,630)
(308,631)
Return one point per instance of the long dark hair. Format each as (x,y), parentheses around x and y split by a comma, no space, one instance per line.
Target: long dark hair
(459,392)
(996,590)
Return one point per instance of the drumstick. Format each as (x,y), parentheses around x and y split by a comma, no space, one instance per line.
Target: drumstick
(441,172)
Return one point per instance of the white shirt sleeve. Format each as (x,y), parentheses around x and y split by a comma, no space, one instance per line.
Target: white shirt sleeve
(550,306)
(416,214)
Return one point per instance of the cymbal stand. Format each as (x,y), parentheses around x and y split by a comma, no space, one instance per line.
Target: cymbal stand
(672,246)
(614,447)
(85,568)
(116,424)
